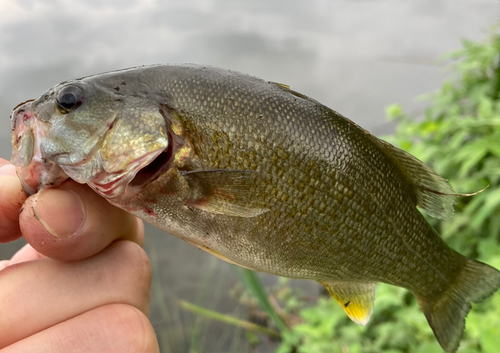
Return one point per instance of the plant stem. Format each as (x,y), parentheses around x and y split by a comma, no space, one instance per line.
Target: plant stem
(254,286)
(228,319)
(496,87)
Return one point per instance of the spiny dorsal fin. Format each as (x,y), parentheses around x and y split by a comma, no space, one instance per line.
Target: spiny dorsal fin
(356,298)
(288,89)
(434,194)
(282,85)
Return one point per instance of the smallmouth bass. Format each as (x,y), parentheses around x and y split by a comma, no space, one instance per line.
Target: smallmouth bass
(260,176)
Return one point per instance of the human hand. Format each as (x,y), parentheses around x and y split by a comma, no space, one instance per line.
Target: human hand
(92,294)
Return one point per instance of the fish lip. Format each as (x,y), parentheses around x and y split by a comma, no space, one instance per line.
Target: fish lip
(33,170)
(28,188)
(17,108)
(39,175)
(23,103)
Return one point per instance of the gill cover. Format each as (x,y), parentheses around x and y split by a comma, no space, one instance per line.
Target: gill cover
(137,136)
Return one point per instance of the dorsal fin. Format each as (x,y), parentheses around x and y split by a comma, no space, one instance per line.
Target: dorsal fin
(281,85)
(288,89)
(434,194)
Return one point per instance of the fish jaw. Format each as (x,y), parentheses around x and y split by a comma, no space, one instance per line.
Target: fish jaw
(34,171)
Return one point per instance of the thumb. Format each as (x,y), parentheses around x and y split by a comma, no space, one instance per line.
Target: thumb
(72,222)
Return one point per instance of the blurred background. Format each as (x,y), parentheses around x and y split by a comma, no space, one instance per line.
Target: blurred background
(355,56)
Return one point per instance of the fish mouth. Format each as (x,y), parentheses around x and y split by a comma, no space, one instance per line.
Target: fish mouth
(33,170)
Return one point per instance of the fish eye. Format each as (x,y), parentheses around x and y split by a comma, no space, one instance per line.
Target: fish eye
(69,99)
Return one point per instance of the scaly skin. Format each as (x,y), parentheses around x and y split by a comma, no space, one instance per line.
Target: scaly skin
(339,208)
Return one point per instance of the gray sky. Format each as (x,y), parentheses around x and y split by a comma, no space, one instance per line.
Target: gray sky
(355,56)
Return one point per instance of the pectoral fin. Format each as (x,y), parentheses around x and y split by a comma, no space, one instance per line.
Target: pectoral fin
(229,192)
(356,298)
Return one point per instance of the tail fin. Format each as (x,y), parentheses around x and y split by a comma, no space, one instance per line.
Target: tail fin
(446,316)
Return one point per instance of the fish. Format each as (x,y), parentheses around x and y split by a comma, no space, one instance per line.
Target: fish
(260,176)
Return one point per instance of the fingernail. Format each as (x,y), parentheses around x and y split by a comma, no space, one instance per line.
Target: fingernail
(8,169)
(61,212)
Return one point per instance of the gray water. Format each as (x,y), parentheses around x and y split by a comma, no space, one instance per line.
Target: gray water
(355,56)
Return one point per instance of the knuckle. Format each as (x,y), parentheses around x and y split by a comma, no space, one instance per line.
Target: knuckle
(132,329)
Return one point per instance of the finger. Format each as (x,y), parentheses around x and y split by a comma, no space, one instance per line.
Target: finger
(43,293)
(111,328)
(12,198)
(26,253)
(73,222)
(3,162)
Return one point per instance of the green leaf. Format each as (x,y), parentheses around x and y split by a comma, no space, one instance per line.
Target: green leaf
(490,341)
(394,112)
(470,155)
(488,248)
(485,108)
(494,145)
(491,204)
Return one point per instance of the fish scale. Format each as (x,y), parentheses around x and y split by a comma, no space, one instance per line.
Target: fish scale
(295,233)
(212,160)
(260,176)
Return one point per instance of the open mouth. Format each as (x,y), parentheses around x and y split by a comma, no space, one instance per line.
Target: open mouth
(151,171)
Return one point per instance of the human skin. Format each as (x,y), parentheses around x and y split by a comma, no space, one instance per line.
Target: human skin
(82,283)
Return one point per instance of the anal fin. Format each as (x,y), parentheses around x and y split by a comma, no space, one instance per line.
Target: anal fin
(356,298)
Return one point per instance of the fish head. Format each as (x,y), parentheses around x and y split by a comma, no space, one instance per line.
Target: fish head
(96,130)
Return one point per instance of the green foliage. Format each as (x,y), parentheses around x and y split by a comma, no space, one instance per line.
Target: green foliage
(459,137)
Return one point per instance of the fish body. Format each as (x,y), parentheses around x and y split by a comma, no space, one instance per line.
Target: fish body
(260,176)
